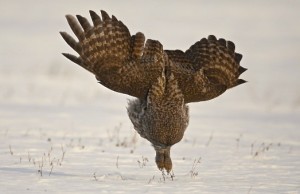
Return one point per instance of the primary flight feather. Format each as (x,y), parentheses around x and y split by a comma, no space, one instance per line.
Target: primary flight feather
(163,81)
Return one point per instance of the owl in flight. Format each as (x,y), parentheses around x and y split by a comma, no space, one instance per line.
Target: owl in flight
(162,81)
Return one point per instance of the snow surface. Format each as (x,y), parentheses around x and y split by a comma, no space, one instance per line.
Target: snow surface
(61,132)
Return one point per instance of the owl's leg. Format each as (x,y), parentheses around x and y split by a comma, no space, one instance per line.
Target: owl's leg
(160,159)
(163,159)
(168,161)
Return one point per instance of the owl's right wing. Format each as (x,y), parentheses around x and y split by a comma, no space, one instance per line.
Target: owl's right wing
(120,62)
(207,69)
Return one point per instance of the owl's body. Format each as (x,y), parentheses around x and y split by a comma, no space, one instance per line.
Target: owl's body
(163,81)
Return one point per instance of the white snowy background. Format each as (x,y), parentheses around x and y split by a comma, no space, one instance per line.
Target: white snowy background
(62,132)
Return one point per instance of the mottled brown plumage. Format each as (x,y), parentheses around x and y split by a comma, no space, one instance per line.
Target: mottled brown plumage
(163,81)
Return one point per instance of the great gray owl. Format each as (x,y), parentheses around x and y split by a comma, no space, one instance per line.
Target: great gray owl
(163,81)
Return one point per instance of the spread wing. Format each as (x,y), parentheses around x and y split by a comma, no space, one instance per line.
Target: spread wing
(120,62)
(207,69)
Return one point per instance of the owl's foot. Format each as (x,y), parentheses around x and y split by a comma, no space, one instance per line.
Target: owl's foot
(163,159)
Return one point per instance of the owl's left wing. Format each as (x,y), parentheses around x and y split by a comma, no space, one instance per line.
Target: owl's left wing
(207,69)
(120,62)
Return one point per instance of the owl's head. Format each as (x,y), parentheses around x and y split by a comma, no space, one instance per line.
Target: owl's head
(162,116)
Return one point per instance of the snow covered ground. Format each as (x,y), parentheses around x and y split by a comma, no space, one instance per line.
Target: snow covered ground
(61,132)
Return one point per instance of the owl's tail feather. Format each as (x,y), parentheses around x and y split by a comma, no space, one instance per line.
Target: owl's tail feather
(165,90)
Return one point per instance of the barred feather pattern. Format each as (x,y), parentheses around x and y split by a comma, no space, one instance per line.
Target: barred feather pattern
(163,81)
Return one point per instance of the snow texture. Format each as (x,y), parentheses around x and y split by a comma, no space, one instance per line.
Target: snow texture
(62,132)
